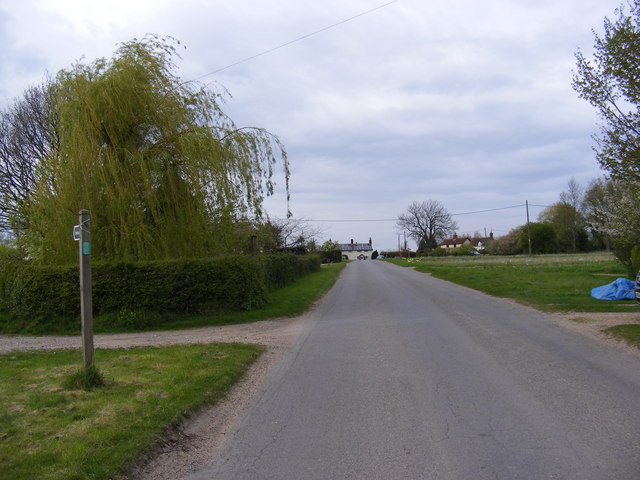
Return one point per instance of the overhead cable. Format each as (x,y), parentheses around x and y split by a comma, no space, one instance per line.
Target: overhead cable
(303,37)
(360,220)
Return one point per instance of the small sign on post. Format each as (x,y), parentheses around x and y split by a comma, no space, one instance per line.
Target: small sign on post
(83,233)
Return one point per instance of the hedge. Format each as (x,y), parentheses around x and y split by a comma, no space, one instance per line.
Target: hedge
(182,286)
(331,256)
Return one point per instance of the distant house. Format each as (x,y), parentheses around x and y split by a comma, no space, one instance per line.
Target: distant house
(456,242)
(480,242)
(356,251)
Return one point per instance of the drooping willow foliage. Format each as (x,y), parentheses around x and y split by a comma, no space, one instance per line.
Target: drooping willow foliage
(164,172)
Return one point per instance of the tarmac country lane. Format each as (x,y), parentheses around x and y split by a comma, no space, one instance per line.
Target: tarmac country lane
(405,376)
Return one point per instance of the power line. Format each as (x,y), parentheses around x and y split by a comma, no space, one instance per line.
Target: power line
(303,37)
(357,220)
(489,210)
(361,220)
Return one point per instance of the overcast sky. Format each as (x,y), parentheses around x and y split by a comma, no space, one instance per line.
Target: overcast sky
(468,103)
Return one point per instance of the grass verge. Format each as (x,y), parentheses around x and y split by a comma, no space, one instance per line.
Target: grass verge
(628,333)
(49,432)
(546,282)
(289,301)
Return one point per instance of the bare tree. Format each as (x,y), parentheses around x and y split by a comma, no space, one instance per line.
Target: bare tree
(571,215)
(293,232)
(574,195)
(27,135)
(428,223)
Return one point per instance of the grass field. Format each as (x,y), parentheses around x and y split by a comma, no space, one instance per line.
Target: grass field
(546,282)
(48,432)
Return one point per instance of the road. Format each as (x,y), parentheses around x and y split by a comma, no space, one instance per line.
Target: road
(403,376)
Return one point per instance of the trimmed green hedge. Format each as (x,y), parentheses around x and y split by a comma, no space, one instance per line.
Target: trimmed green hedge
(283,269)
(182,286)
(330,256)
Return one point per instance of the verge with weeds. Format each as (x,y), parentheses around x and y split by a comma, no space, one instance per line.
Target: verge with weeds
(49,431)
(628,333)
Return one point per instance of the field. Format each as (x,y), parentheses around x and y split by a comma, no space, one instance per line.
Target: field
(546,282)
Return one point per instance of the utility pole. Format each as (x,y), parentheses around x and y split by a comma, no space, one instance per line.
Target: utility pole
(528,227)
(86,303)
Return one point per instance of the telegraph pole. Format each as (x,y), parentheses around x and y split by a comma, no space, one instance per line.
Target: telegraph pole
(528,227)
(83,233)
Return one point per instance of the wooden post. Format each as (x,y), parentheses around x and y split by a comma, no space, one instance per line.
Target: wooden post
(86,302)
(528,227)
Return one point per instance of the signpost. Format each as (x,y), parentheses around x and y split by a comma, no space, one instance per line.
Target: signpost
(82,234)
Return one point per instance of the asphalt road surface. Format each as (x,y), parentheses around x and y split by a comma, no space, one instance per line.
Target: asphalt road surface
(400,375)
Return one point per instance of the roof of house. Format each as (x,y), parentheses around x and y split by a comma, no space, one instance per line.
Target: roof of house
(356,247)
(475,241)
(456,240)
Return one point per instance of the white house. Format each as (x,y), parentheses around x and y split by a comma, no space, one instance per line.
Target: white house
(356,251)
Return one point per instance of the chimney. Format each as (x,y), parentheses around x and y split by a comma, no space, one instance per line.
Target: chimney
(455,235)
(352,241)
(491,235)
(369,241)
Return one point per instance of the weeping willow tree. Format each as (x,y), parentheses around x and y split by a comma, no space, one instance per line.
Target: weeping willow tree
(164,172)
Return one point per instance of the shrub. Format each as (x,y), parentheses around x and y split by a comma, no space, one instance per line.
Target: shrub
(507,244)
(635,258)
(330,256)
(282,269)
(543,238)
(625,249)
(10,261)
(133,292)
(464,250)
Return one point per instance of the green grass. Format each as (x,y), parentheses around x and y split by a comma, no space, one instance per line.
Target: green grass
(49,432)
(546,282)
(629,333)
(289,301)
(85,378)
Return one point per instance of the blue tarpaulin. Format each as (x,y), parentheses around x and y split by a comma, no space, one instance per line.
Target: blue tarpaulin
(621,289)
